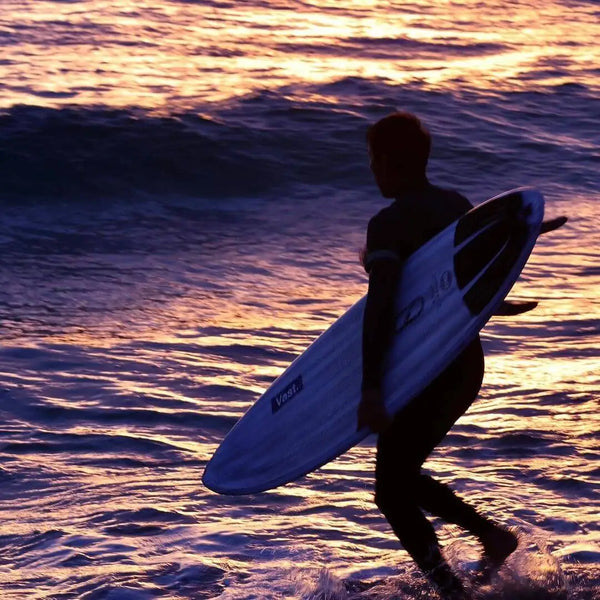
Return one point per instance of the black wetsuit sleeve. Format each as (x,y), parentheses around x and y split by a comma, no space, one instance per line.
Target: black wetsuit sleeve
(383,265)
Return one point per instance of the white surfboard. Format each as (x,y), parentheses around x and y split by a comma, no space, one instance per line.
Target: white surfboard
(448,290)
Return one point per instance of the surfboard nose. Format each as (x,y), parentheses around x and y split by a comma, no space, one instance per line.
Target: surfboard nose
(209,481)
(212,477)
(228,473)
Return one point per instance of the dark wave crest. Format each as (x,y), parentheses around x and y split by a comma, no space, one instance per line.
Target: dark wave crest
(262,145)
(102,153)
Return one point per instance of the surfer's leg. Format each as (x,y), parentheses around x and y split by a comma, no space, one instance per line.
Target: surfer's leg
(396,485)
(402,449)
(447,398)
(440,500)
(415,532)
(418,538)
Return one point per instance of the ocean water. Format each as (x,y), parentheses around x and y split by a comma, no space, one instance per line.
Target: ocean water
(184,193)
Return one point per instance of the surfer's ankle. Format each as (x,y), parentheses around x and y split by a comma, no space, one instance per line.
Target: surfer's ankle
(498,544)
(448,585)
(440,575)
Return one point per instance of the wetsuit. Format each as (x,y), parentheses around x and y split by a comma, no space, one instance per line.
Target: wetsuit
(401,490)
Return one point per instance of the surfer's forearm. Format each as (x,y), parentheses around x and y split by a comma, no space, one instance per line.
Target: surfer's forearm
(378,322)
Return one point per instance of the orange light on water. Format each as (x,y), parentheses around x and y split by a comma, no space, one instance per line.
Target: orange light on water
(156,56)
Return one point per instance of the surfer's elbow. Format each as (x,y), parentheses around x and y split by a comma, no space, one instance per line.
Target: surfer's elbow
(383,279)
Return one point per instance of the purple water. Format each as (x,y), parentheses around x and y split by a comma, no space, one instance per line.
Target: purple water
(185,190)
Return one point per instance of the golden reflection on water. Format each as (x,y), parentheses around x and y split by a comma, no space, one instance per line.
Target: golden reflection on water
(164,54)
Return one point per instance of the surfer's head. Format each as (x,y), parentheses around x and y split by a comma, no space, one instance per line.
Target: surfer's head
(399,148)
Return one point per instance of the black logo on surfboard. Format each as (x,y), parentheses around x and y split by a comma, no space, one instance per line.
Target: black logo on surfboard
(285,395)
(441,286)
(410,313)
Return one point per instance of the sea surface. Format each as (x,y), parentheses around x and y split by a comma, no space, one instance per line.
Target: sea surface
(184,190)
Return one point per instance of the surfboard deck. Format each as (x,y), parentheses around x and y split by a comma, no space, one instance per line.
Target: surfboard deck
(447,291)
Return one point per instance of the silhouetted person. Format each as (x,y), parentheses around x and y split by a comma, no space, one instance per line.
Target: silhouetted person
(399,150)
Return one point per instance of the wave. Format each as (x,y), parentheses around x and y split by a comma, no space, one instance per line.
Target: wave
(390,47)
(263,145)
(103,153)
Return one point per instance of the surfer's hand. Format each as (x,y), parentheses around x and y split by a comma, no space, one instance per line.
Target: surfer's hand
(372,412)
(509,309)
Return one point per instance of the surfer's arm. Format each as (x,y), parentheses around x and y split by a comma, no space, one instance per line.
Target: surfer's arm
(378,325)
(378,321)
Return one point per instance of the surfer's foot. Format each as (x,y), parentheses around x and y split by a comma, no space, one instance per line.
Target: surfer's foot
(447,583)
(498,544)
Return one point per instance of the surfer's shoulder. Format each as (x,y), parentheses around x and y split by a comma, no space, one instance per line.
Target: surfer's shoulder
(451,198)
(382,231)
(382,239)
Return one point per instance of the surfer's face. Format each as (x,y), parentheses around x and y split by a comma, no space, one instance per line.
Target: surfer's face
(389,175)
(378,164)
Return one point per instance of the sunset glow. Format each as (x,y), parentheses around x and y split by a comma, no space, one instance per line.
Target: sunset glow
(185,192)
(168,55)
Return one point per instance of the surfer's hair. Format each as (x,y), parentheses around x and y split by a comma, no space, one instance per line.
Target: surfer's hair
(403,138)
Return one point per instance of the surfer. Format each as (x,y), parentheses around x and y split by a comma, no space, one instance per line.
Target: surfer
(399,151)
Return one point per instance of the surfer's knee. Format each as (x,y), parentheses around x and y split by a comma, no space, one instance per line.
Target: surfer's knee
(396,496)
(387,498)
(383,501)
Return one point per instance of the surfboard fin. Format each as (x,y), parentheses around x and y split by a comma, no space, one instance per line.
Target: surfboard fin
(553,224)
(509,308)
